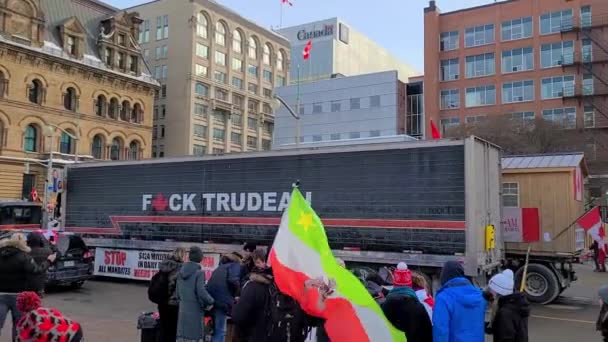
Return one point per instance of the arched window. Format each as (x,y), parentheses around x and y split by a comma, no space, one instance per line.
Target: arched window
(220,33)
(202,25)
(101,105)
(30,139)
(281,60)
(3,85)
(125,109)
(35,92)
(266,57)
(97,147)
(113,109)
(253,48)
(137,114)
(69,99)
(66,144)
(237,42)
(115,149)
(134,150)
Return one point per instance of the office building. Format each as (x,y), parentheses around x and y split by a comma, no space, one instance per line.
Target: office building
(338,49)
(217,72)
(72,85)
(341,108)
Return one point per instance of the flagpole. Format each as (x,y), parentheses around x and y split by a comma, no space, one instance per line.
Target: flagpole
(281,16)
(298,110)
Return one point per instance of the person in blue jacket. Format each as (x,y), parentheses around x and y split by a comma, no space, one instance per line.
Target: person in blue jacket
(224,286)
(459,313)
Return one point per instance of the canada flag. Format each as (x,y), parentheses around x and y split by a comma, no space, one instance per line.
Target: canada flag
(592,223)
(307,48)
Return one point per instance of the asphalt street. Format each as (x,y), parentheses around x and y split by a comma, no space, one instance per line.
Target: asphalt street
(108,310)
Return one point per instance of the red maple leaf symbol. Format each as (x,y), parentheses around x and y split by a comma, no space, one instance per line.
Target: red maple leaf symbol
(160,203)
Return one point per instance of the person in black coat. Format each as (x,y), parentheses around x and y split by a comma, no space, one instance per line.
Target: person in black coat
(169,311)
(40,251)
(249,314)
(17,268)
(602,320)
(510,323)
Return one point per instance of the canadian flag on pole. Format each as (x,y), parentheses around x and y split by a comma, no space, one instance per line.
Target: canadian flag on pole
(592,223)
(307,48)
(435,134)
(286,2)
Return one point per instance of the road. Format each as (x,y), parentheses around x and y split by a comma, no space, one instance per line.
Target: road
(108,310)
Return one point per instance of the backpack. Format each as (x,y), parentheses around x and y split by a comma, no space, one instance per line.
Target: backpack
(286,320)
(158,292)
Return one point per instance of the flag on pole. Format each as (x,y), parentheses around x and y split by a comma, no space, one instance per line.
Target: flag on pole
(435,134)
(301,255)
(307,48)
(286,2)
(592,223)
(34,195)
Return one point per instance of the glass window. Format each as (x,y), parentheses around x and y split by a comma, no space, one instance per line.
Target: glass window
(281,60)
(200,70)
(218,134)
(97,147)
(237,82)
(165,26)
(374,101)
(201,89)
(164,71)
(237,64)
(198,150)
(280,81)
(472,120)
(374,133)
(144,33)
(317,108)
(450,69)
(115,149)
(252,142)
(220,33)
(557,54)
(202,25)
(556,21)
(479,35)
(519,28)
(565,117)
(354,135)
(586,16)
(159,28)
(202,50)
(220,58)
(355,103)
(200,109)
(557,87)
(480,65)
(253,48)
(317,138)
(237,42)
(335,136)
(252,70)
(219,76)
(266,56)
(481,96)
(221,94)
(335,106)
(517,60)
(252,88)
(268,76)
(267,93)
(236,138)
(200,131)
(71,44)
(450,99)
(587,50)
(252,123)
(520,91)
(510,195)
(523,117)
(65,143)
(448,41)
(589,117)
(447,124)
(588,84)
(30,139)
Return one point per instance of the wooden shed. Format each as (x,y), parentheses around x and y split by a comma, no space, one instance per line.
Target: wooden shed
(555,185)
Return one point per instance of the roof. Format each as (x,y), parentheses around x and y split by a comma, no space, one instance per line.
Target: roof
(489,4)
(543,161)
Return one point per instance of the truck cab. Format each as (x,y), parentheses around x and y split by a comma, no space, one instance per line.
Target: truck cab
(20,215)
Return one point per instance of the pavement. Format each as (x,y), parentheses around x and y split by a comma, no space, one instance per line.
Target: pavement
(108,310)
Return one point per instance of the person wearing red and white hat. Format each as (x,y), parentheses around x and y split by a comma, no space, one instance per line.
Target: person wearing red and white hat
(403,309)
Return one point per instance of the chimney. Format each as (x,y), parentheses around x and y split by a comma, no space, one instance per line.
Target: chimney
(432,7)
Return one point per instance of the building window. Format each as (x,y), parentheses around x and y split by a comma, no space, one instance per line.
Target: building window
(163,91)
(218,150)
(133,64)
(158,72)
(218,134)
(202,25)
(267,93)
(198,150)
(317,107)
(34,93)
(557,54)
(266,145)
(588,84)
(510,195)
(108,55)
(162,23)
(221,94)
(252,88)
(481,96)
(252,105)
(162,52)
(200,131)
(473,120)
(165,26)
(335,106)
(200,70)
(115,149)
(447,124)
(165,71)
(71,45)
(517,60)
(237,64)
(30,139)
(520,91)
(480,65)
(100,105)
(146,54)
(554,22)
(137,114)
(280,81)
(237,42)
(134,150)
(252,123)
(155,115)
(557,87)
(317,138)
(237,83)
(144,33)
(449,41)
(201,110)
(268,128)
(564,117)
(162,131)
(252,142)
(220,58)
(253,48)
(69,99)
(220,77)
(201,89)
(124,111)
(220,33)
(268,76)
(236,138)
(355,103)
(523,117)
(120,60)
(202,50)
(587,50)
(122,39)
(334,136)
(161,151)
(479,35)
(450,69)
(97,147)
(586,16)
(252,70)
(450,99)
(374,101)
(281,60)
(354,135)
(163,111)
(374,133)
(589,117)
(154,151)
(517,29)
(236,119)
(113,108)
(266,56)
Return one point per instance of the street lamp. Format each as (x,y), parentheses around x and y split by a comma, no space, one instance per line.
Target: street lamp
(277,101)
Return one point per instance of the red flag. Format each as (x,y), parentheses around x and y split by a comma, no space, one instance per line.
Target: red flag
(307,48)
(435,134)
(591,222)
(287,2)
(34,195)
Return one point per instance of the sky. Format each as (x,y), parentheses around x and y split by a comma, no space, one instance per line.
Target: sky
(395,24)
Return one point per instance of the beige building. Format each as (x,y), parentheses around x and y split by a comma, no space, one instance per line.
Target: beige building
(72,82)
(217,72)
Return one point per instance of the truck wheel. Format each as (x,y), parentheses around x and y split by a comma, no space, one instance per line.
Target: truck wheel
(542,286)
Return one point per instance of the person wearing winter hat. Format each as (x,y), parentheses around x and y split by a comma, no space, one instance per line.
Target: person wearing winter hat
(403,309)
(510,322)
(602,320)
(459,312)
(43,324)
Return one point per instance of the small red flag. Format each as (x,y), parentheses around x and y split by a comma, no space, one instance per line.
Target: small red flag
(287,2)
(307,48)
(592,223)
(34,195)
(435,134)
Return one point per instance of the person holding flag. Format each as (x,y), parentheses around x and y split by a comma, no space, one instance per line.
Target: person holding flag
(592,223)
